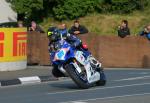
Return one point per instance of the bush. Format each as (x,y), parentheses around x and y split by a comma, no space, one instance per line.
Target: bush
(27,8)
(71,9)
(121,6)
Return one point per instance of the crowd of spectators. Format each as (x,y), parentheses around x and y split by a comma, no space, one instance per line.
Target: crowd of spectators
(123,30)
(77,28)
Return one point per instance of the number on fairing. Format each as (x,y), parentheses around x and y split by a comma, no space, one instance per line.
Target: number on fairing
(79,56)
(60,54)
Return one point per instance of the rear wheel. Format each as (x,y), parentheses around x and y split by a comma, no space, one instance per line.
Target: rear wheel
(79,79)
(56,72)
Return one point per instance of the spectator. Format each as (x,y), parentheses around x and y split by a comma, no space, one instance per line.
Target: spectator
(63,29)
(146,32)
(35,27)
(20,24)
(78,29)
(123,29)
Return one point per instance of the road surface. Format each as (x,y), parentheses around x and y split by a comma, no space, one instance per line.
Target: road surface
(123,86)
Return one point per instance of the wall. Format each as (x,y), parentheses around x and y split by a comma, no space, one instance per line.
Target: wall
(37,52)
(112,51)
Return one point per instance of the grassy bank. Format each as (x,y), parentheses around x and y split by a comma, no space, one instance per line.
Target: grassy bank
(107,24)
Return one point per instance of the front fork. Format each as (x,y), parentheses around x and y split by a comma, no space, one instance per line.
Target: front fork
(91,74)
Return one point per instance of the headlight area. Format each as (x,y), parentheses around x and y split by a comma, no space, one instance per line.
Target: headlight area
(57,46)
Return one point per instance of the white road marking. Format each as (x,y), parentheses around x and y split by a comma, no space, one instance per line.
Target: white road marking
(133,69)
(73,102)
(113,97)
(134,78)
(141,73)
(122,86)
(78,102)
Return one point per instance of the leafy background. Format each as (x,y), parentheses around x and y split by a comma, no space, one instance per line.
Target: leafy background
(100,16)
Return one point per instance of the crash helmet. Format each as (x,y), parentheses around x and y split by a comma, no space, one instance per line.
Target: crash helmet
(53,33)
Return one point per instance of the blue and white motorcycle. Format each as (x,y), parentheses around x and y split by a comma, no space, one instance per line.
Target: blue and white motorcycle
(75,64)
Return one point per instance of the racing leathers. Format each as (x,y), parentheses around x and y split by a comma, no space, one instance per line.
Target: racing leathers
(76,43)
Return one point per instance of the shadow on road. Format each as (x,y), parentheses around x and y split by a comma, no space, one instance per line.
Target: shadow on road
(64,85)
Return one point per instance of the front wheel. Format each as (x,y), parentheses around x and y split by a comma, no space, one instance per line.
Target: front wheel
(76,77)
(102,80)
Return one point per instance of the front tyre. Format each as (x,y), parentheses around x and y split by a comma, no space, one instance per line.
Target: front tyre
(71,70)
(102,80)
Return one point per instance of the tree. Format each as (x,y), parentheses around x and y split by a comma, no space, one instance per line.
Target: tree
(71,9)
(27,8)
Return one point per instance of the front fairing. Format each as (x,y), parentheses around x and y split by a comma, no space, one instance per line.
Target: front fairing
(63,54)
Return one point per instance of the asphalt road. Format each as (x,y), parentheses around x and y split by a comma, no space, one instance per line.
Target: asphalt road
(123,86)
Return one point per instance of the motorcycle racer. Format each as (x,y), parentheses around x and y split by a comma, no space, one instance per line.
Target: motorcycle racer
(54,34)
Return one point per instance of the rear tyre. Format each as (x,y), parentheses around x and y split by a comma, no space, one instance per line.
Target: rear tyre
(56,72)
(76,78)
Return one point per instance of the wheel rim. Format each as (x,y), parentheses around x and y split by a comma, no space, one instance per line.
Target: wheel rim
(83,76)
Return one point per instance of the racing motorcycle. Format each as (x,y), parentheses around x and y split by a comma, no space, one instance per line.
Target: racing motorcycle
(77,65)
